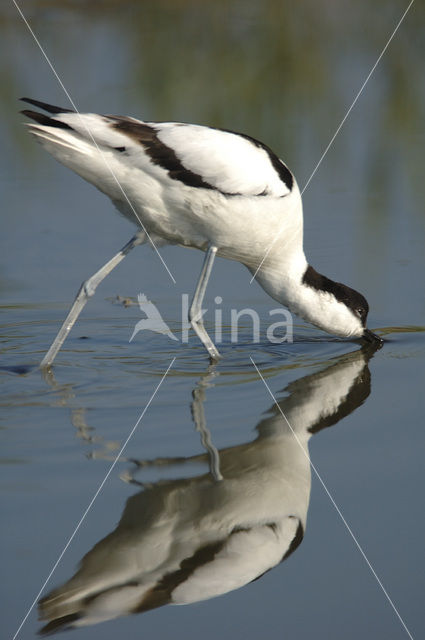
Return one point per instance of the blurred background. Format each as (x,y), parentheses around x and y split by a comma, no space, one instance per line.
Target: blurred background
(285,73)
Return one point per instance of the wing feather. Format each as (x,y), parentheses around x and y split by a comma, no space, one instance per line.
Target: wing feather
(197,156)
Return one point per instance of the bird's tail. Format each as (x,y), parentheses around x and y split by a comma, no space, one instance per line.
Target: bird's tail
(87,143)
(54,133)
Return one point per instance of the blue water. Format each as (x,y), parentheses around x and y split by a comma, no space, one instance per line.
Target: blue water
(288,78)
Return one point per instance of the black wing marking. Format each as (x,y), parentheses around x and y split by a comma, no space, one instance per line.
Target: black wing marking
(45,120)
(161,593)
(50,108)
(282,170)
(159,152)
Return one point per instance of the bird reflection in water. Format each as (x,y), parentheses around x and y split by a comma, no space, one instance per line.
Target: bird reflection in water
(185,540)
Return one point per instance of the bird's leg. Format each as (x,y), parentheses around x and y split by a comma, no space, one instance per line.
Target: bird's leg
(195,311)
(85,292)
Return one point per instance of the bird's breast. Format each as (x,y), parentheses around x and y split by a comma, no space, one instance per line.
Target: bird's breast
(243,228)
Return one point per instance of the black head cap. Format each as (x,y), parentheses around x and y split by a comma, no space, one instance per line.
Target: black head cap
(350,297)
(354,300)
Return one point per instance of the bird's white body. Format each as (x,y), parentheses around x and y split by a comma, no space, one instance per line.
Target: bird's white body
(205,188)
(176,213)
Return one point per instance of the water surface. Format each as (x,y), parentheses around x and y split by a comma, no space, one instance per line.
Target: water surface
(286,77)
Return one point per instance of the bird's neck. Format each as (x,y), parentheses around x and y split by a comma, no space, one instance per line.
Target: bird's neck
(303,291)
(282,278)
(329,305)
